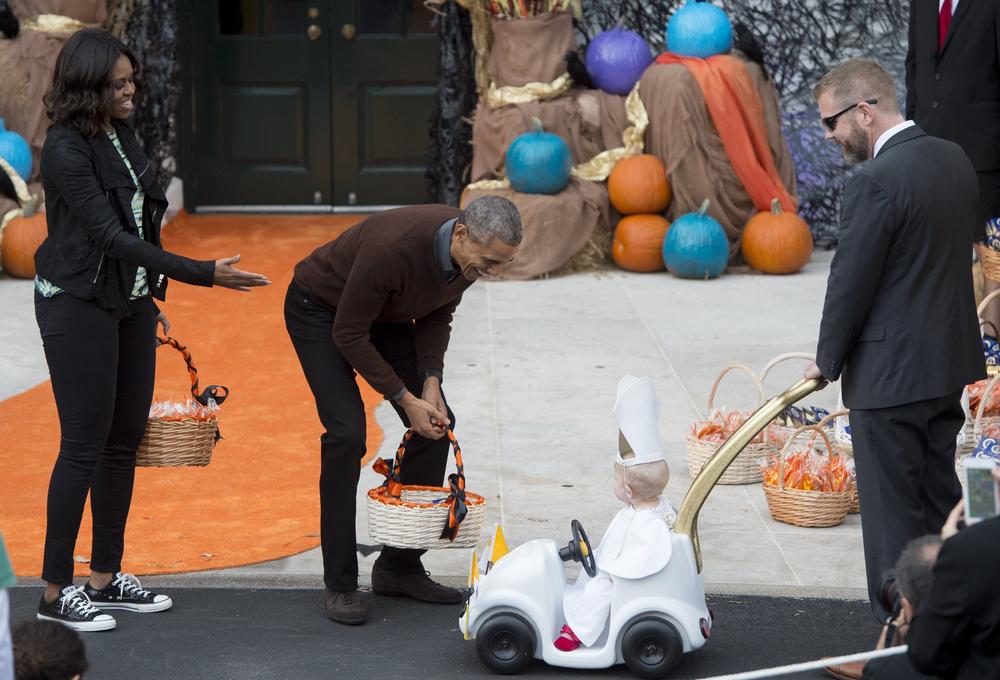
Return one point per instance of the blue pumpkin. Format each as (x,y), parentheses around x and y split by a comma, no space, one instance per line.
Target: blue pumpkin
(15,151)
(696,246)
(538,162)
(616,59)
(699,29)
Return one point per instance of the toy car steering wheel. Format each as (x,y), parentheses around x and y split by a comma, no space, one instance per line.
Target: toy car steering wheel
(579,550)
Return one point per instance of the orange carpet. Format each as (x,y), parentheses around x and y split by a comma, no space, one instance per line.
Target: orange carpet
(258,498)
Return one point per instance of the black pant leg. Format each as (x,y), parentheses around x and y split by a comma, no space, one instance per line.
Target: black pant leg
(80,341)
(894,451)
(426,460)
(114,477)
(941,489)
(342,445)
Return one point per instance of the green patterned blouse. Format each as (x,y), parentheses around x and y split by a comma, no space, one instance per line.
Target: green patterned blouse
(140,287)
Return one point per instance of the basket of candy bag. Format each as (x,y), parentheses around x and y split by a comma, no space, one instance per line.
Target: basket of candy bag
(807,485)
(424,517)
(182,433)
(990,335)
(708,435)
(793,417)
(845,450)
(986,428)
(989,251)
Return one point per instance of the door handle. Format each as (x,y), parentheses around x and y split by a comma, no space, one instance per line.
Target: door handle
(349,31)
(314,32)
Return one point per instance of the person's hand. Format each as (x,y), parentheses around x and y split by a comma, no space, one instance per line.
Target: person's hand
(161,319)
(237,279)
(812,372)
(432,395)
(424,416)
(957,514)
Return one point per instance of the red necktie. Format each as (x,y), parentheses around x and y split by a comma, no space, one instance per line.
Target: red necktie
(944,20)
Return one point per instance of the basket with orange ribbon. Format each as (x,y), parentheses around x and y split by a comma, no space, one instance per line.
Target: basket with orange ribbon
(424,517)
(805,485)
(182,433)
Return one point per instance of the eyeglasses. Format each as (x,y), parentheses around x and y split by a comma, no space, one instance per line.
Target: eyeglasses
(831,121)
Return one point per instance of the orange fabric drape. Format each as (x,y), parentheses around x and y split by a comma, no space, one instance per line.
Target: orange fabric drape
(738,115)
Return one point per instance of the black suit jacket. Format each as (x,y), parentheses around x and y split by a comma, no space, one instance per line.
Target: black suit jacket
(956,630)
(899,320)
(955,94)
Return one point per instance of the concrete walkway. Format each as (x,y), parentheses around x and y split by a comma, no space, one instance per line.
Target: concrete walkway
(531,374)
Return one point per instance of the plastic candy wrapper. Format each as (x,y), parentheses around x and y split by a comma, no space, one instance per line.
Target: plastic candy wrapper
(795,416)
(988,448)
(993,233)
(182,410)
(807,470)
(975,391)
(721,424)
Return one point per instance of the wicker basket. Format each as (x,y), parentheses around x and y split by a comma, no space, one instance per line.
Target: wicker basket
(805,508)
(844,448)
(977,429)
(424,517)
(990,260)
(781,430)
(745,468)
(981,309)
(178,443)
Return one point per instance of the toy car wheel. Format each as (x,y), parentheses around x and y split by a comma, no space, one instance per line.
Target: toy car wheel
(505,644)
(652,648)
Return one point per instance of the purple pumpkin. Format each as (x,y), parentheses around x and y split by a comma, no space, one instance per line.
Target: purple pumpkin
(616,59)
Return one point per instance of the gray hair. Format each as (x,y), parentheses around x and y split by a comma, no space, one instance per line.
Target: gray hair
(915,567)
(490,217)
(857,80)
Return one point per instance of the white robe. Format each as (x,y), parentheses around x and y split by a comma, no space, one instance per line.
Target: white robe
(635,545)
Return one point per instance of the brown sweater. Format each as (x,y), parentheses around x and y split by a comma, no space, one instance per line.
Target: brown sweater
(384,269)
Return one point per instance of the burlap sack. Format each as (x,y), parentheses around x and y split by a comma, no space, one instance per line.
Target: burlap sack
(681,133)
(530,50)
(556,228)
(87,11)
(494,129)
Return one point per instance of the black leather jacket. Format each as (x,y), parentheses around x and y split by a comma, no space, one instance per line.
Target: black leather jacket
(93,247)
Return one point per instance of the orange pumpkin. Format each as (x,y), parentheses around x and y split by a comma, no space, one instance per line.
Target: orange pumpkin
(21,238)
(638,243)
(638,184)
(777,242)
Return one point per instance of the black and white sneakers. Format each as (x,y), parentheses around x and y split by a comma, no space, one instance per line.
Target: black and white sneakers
(74,609)
(125,592)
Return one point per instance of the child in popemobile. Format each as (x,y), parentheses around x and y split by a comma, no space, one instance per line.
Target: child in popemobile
(637,542)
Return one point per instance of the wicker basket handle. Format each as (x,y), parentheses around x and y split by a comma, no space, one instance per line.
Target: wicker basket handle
(985,303)
(833,416)
(456,481)
(216,392)
(978,424)
(730,367)
(815,429)
(784,357)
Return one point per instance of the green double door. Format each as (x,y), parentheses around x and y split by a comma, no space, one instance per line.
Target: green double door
(308,105)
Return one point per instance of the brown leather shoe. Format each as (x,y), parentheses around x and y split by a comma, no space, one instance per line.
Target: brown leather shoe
(417,585)
(847,671)
(345,607)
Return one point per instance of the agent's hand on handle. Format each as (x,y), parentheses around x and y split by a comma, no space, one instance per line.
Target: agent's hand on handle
(425,419)
(432,395)
(812,372)
(236,279)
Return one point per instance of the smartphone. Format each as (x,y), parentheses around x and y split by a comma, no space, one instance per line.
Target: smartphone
(982,497)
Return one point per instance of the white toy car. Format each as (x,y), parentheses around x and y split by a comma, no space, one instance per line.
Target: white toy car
(516,611)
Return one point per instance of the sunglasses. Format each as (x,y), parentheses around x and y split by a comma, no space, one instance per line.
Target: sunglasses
(831,121)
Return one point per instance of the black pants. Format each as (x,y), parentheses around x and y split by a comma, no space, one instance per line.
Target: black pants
(334,385)
(102,371)
(905,458)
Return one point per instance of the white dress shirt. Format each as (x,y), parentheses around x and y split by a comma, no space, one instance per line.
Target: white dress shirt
(885,136)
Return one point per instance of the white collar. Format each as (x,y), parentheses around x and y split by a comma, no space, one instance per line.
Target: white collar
(885,136)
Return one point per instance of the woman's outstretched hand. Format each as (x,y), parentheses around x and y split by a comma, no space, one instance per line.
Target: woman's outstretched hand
(237,279)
